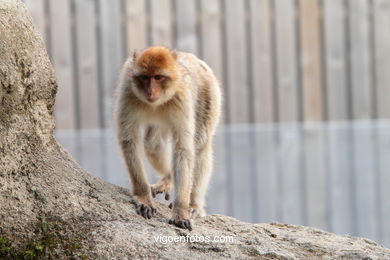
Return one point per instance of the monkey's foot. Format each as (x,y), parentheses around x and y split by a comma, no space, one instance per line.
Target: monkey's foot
(144,207)
(196,212)
(163,186)
(181,220)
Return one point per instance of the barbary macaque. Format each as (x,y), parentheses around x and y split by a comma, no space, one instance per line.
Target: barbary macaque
(170,102)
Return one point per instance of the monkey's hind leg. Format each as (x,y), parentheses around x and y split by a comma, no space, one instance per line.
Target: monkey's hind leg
(201,178)
(159,155)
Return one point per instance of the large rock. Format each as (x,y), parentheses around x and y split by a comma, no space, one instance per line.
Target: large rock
(51,208)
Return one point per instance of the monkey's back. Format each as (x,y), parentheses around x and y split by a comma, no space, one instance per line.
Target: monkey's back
(209,97)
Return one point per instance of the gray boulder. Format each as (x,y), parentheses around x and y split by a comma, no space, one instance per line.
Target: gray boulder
(50,208)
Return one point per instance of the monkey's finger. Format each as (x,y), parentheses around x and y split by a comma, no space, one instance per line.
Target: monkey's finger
(171,221)
(179,224)
(154,211)
(188,225)
(146,212)
(175,222)
(138,209)
(149,213)
(183,224)
(143,212)
(167,196)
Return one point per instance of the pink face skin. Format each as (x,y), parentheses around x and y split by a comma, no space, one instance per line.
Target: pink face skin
(151,86)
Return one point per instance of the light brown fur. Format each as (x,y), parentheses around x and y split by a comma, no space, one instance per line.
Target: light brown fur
(183,113)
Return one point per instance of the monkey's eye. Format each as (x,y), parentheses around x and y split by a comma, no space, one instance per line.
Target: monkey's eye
(158,77)
(143,77)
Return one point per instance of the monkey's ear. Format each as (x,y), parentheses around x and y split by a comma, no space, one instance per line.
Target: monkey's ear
(135,55)
(174,54)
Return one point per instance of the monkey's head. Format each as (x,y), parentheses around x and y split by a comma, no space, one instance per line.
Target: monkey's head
(154,72)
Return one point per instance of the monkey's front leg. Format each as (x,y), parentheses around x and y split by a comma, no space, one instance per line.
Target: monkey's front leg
(141,190)
(183,158)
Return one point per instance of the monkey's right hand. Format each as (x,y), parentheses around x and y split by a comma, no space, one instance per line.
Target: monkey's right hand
(144,206)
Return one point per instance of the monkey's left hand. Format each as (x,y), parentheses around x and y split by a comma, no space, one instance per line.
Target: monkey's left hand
(181,219)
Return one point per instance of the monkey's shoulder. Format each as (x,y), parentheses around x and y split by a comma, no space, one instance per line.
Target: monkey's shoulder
(197,70)
(193,63)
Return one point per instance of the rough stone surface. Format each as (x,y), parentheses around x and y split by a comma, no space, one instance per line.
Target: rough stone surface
(49,205)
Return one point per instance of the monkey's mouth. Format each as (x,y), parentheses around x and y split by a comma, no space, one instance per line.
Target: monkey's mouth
(151,99)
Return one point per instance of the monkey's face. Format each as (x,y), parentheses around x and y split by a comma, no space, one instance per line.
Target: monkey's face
(154,74)
(151,87)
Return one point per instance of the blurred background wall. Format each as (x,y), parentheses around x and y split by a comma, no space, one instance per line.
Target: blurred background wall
(305,137)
